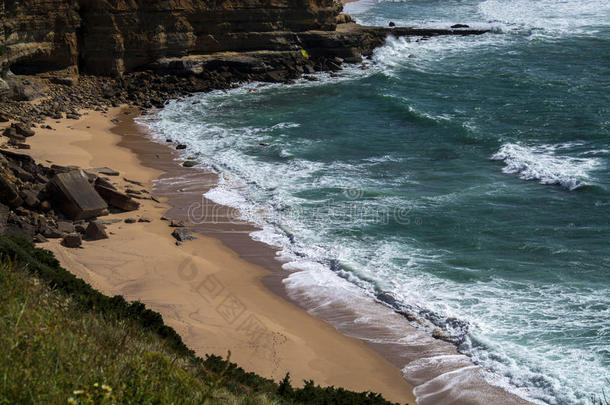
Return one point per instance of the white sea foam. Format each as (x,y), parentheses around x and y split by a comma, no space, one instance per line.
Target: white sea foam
(264,192)
(543,164)
(550,17)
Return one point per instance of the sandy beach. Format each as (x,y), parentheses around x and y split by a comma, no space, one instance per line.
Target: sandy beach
(211,296)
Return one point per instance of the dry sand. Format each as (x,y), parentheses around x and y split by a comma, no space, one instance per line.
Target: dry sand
(213,298)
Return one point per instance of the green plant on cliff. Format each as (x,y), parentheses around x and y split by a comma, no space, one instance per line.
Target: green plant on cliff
(62,342)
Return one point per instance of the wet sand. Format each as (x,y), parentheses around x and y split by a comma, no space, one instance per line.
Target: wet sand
(225,291)
(214,298)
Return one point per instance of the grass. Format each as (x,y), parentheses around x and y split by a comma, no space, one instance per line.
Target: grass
(62,342)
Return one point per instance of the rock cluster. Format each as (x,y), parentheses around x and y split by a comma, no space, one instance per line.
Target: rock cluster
(40,202)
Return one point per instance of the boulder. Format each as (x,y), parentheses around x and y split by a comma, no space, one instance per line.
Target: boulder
(65,227)
(23,129)
(10,133)
(38,238)
(9,194)
(72,240)
(96,231)
(69,81)
(100,181)
(22,174)
(30,198)
(117,199)
(52,233)
(105,171)
(190,163)
(181,147)
(76,198)
(182,235)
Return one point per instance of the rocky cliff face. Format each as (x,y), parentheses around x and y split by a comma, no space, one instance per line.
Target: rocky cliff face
(39,35)
(111,37)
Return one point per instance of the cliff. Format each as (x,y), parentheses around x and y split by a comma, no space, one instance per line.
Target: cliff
(110,37)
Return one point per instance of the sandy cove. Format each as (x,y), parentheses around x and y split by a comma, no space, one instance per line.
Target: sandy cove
(213,298)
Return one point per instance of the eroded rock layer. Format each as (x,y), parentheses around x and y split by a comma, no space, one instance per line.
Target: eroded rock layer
(113,36)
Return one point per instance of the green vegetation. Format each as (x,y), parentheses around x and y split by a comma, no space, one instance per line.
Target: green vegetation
(62,342)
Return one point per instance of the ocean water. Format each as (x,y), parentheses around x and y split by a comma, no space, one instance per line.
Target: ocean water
(465,177)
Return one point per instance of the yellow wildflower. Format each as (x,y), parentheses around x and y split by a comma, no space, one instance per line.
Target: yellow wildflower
(106,388)
(79,392)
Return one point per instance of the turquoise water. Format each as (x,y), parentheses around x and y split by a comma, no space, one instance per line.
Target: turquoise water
(466,177)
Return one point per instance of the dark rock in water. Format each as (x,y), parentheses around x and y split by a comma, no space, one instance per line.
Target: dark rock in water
(96,231)
(388,299)
(130,221)
(182,235)
(117,199)
(190,163)
(180,147)
(145,220)
(177,224)
(438,333)
(9,194)
(23,129)
(392,24)
(460,26)
(73,240)
(75,196)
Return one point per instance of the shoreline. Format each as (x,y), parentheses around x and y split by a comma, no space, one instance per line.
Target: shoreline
(127,148)
(436,370)
(213,298)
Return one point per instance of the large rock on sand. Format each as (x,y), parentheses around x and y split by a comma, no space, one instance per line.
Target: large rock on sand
(72,240)
(9,194)
(117,199)
(96,231)
(75,196)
